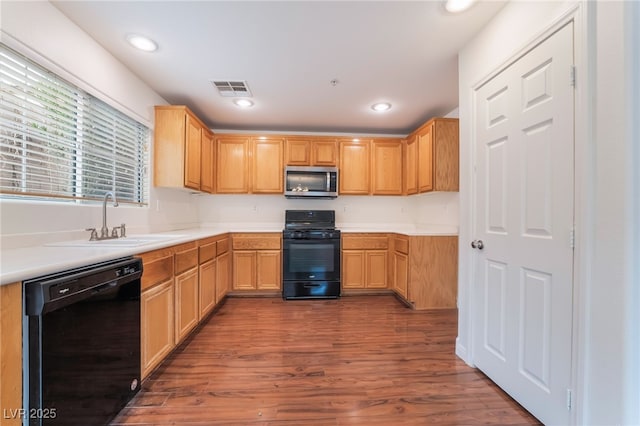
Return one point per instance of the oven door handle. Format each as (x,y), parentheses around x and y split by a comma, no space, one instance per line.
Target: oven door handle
(310,285)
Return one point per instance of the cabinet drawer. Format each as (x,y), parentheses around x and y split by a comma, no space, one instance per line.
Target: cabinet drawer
(157,271)
(186,259)
(222,246)
(207,252)
(365,242)
(401,245)
(271,241)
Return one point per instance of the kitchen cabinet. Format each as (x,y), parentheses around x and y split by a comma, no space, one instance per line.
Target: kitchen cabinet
(399,251)
(311,151)
(247,164)
(223,268)
(411,165)
(11,350)
(178,290)
(207,163)
(232,164)
(433,272)
(438,155)
(364,261)
(178,146)
(257,262)
(206,276)
(355,164)
(157,324)
(386,167)
(267,170)
(186,289)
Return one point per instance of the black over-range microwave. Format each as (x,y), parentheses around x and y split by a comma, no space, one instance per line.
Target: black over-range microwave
(310,182)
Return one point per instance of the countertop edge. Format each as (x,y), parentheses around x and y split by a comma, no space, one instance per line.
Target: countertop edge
(33,262)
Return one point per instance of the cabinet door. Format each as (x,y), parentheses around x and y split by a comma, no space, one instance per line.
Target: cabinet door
(386,167)
(298,152)
(223,275)
(206,162)
(353,269)
(411,166)
(186,303)
(232,165)
(354,167)
(425,159)
(244,270)
(267,170)
(207,277)
(400,273)
(269,265)
(446,154)
(192,153)
(376,269)
(157,325)
(11,351)
(324,153)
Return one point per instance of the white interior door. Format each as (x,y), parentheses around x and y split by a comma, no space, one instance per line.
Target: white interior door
(524,212)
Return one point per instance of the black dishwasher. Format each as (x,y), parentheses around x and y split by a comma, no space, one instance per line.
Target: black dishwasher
(82,329)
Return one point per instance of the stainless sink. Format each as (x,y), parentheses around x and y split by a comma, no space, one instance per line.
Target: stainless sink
(131,241)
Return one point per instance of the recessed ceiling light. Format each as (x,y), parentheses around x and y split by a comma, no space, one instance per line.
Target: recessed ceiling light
(243,103)
(381,106)
(141,42)
(457,6)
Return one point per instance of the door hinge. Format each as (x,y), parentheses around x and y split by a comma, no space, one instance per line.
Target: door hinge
(572,238)
(573,75)
(569,399)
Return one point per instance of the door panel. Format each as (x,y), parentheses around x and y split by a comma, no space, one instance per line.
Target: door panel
(524,216)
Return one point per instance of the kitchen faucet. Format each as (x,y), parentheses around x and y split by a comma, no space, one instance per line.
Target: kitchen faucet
(104,231)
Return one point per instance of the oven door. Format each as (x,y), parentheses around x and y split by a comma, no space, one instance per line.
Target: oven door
(311,259)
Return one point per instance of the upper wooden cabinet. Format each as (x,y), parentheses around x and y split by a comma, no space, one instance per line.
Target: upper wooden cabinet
(207,162)
(437,156)
(310,151)
(178,150)
(246,164)
(267,170)
(371,166)
(411,165)
(355,165)
(386,167)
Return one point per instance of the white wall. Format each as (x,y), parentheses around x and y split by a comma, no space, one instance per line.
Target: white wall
(606,296)
(39,31)
(433,210)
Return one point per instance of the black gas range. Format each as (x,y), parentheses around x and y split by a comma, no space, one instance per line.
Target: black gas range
(311,255)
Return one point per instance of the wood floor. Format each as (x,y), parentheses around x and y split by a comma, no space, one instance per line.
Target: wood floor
(365,360)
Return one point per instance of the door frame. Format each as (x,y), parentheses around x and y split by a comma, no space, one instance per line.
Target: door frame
(578,13)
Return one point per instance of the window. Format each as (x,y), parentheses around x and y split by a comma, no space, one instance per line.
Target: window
(57,141)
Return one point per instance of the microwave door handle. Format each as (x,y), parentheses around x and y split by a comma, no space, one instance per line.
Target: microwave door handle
(328,181)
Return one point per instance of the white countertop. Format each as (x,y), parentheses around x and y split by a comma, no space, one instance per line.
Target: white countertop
(19,264)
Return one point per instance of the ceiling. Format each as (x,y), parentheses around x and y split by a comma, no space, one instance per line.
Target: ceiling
(404,53)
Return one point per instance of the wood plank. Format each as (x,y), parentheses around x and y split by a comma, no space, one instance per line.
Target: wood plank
(357,360)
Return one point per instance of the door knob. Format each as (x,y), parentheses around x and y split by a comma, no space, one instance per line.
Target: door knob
(477,244)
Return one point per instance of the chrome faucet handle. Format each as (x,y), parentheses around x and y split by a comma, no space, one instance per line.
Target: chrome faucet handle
(114,232)
(123,230)
(94,234)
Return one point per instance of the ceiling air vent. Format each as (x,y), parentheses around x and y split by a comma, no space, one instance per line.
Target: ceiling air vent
(232,88)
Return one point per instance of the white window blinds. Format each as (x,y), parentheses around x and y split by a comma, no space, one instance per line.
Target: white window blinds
(57,141)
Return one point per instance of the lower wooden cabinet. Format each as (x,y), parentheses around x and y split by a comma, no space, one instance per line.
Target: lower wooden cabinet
(186,308)
(179,288)
(257,262)
(364,261)
(399,251)
(157,325)
(207,277)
